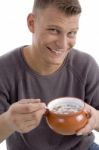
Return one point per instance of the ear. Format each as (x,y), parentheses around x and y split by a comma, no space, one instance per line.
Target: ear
(30,22)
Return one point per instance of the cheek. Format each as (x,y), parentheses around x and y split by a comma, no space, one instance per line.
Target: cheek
(45,39)
(38,39)
(42,37)
(72,42)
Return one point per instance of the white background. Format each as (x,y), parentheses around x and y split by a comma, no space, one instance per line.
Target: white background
(14,31)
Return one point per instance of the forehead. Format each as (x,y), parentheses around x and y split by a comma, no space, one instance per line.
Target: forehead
(53,16)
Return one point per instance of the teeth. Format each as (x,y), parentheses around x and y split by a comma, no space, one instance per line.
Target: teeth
(57,52)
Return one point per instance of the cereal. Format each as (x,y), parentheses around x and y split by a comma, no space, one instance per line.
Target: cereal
(66,108)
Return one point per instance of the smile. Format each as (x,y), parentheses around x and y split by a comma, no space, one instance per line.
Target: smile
(57,52)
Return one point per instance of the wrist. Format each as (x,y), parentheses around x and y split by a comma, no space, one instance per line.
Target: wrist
(96,127)
(8,124)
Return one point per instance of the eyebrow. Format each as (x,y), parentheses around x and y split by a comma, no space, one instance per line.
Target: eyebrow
(77,28)
(55,26)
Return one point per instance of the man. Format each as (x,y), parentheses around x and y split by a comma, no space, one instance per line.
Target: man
(31,76)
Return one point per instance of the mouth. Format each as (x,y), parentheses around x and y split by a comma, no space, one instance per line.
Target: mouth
(55,52)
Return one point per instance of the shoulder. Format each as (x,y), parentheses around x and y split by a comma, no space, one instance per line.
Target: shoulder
(10,67)
(8,57)
(81,59)
(82,64)
(12,58)
(9,63)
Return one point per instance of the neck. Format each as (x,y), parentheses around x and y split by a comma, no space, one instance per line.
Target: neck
(40,67)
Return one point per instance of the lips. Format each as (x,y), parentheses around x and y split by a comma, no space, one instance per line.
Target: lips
(57,52)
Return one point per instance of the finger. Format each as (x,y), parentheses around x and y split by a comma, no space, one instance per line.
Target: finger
(21,121)
(32,122)
(30,116)
(24,101)
(24,117)
(27,124)
(27,107)
(28,128)
(40,114)
(88,128)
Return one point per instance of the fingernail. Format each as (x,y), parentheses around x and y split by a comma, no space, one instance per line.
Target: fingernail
(79,133)
(43,105)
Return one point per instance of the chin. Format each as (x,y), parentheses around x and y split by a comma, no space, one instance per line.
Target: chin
(57,63)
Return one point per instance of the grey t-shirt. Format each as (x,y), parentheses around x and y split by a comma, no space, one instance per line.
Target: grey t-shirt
(78,77)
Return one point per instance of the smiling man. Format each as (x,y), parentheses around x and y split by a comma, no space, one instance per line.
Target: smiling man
(54,34)
(31,76)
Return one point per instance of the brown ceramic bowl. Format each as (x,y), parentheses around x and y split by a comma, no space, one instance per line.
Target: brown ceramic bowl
(66,115)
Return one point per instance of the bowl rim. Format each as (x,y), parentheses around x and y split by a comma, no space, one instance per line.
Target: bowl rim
(69,98)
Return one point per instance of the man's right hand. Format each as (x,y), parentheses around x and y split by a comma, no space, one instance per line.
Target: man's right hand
(25,115)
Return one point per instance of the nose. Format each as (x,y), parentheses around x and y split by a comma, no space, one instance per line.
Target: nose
(62,41)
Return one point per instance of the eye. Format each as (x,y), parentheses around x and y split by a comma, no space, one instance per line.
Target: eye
(72,34)
(53,31)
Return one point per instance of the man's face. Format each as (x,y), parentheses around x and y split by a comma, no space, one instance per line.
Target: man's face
(54,34)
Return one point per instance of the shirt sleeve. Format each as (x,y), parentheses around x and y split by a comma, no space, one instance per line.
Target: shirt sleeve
(4,94)
(4,105)
(92,84)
